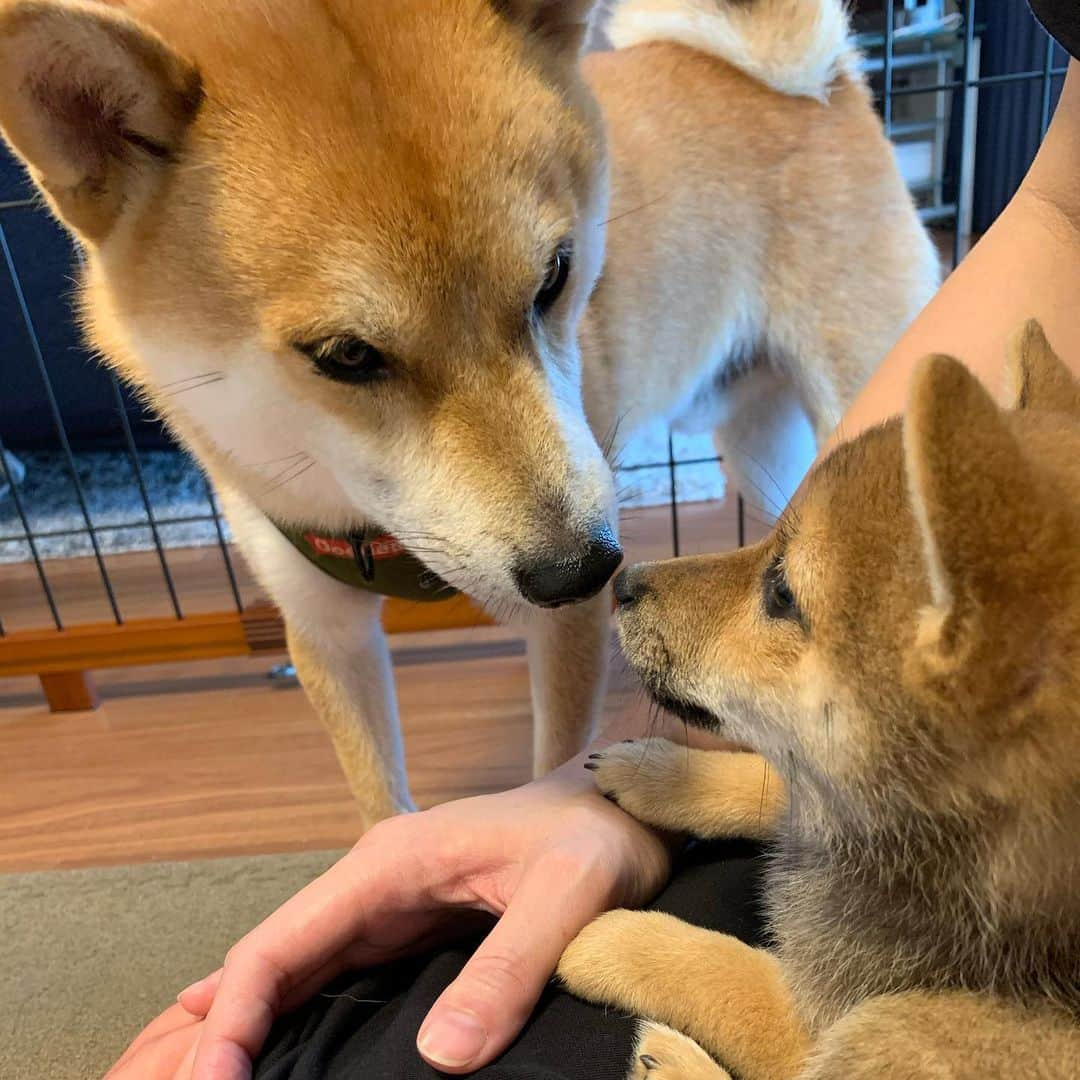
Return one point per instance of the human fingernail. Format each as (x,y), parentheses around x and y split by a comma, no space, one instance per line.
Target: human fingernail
(453,1040)
(194,986)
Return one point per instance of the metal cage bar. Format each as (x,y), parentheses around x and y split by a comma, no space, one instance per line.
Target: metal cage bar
(59,534)
(963,91)
(975,84)
(223,545)
(58,420)
(28,538)
(673,467)
(966,120)
(887,66)
(136,464)
(1047,87)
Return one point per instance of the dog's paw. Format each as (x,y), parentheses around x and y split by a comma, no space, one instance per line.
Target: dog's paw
(664,1054)
(641,777)
(618,959)
(621,959)
(596,964)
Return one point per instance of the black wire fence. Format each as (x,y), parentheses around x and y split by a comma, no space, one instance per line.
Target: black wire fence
(966,88)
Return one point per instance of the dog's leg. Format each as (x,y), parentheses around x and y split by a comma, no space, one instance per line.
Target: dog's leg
(350,683)
(732,999)
(710,794)
(337,643)
(766,438)
(961,1036)
(568,657)
(663,1054)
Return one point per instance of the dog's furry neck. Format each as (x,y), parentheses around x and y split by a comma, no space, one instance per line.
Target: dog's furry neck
(912,898)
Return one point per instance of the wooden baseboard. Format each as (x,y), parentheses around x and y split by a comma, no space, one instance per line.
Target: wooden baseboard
(68,653)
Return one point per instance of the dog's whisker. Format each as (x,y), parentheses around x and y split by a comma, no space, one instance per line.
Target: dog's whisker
(210,381)
(636,209)
(189,378)
(769,507)
(305,467)
(772,507)
(293,463)
(769,476)
(764,794)
(608,443)
(789,759)
(278,461)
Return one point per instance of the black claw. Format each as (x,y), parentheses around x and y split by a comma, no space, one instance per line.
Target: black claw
(591,766)
(595,757)
(630,742)
(649,1061)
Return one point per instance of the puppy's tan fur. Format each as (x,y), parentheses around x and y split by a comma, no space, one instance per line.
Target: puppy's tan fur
(919,703)
(249,177)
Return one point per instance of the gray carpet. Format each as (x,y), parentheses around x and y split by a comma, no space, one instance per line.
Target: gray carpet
(177,490)
(88,957)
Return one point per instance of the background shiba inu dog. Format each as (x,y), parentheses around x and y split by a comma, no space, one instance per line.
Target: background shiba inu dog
(352,252)
(902,653)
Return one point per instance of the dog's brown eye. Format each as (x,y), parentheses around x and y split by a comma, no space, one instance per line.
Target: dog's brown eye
(780,602)
(558,274)
(349,360)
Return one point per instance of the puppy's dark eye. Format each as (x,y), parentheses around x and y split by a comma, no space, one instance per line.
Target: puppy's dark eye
(780,602)
(558,274)
(349,360)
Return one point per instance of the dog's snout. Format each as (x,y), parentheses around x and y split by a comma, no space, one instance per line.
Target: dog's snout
(630,587)
(572,575)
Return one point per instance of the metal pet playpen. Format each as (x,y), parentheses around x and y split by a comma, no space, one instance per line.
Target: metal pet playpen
(113,551)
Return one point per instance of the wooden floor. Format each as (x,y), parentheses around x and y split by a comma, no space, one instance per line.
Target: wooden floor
(210,759)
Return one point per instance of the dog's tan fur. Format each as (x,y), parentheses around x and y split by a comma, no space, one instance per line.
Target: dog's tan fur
(249,176)
(921,701)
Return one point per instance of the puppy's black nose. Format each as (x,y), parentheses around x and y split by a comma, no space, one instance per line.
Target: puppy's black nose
(572,575)
(630,587)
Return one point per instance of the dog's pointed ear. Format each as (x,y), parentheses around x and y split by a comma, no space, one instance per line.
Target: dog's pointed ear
(562,25)
(94,104)
(1038,378)
(986,523)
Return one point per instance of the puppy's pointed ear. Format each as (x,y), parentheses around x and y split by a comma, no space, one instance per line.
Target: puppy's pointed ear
(94,104)
(991,534)
(562,25)
(1037,377)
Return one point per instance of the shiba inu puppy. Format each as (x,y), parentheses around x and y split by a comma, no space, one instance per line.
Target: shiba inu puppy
(396,272)
(902,654)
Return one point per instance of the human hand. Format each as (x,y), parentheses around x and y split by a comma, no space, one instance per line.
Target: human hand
(164,1050)
(404,886)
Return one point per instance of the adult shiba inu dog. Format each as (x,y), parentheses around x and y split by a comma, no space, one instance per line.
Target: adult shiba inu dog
(351,250)
(903,654)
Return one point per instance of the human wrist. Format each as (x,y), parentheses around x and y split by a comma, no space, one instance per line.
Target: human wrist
(573,785)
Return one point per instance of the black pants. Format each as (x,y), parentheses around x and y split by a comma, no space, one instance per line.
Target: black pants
(364,1026)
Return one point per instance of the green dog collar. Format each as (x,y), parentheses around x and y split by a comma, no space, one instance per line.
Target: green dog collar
(369,560)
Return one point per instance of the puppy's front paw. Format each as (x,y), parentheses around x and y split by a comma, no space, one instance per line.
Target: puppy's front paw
(628,959)
(602,960)
(642,777)
(664,1054)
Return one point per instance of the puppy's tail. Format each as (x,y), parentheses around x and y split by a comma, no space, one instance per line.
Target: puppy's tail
(797,47)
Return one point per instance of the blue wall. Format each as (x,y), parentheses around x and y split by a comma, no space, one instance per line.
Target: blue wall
(45,264)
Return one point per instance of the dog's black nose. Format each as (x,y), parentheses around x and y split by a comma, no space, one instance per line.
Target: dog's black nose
(630,587)
(571,576)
